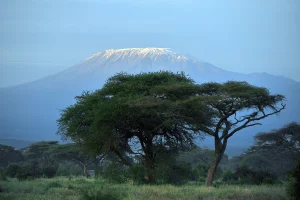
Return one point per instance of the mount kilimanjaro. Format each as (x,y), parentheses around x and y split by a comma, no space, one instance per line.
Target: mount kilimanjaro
(29,111)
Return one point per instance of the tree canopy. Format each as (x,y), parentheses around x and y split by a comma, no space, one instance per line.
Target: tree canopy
(276,151)
(136,114)
(74,153)
(231,106)
(132,114)
(235,106)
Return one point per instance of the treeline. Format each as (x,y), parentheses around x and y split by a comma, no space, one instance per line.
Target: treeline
(268,161)
(271,160)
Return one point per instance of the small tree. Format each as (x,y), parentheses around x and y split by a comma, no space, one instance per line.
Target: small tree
(39,152)
(235,106)
(73,152)
(293,188)
(275,150)
(9,155)
(284,140)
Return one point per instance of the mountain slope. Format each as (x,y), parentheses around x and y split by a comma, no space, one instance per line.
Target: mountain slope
(30,110)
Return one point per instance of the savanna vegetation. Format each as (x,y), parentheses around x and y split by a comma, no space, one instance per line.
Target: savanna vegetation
(135,138)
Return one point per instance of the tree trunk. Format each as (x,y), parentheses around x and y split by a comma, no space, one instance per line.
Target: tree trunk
(212,170)
(219,152)
(85,171)
(149,165)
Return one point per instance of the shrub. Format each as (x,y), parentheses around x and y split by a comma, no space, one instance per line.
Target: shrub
(12,170)
(2,176)
(180,174)
(102,193)
(176,173)
(29,170)
(69,170)
(54,184)
(49,171)
(137,173)
(293,188)
(244,175)
(114,172)
(228,176)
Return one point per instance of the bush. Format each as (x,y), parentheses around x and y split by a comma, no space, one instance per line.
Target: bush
(2,176)
(180,174)
(102,193)
(228,176)
(114,172)
(49,171)
(12,170)
(137,173)
(69,170)
(29,170)
(244,175)
(176,173)
(293,188)
(54,184)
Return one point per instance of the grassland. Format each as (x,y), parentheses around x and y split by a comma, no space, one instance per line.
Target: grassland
(85,189)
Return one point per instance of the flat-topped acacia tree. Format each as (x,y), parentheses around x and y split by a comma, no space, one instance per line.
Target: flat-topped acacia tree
(231,107)
(236,106)
(131,114)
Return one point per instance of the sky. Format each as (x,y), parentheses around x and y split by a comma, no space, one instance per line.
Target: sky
(39,37)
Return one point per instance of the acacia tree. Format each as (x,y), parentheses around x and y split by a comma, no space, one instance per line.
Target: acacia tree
(283,140)
(132,114)
(236,106)
(39,151)
(9,155)
(231,106)
(274,151)
(74,153)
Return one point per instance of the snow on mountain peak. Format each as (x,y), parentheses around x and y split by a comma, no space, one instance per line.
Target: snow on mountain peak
(137,54)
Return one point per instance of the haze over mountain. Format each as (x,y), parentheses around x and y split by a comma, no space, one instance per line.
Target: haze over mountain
(30,111)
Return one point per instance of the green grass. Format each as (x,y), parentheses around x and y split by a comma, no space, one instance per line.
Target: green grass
(85,189)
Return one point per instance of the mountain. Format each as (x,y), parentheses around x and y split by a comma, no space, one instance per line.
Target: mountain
(30,111)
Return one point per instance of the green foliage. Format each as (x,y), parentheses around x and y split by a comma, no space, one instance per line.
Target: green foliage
(73,153)
(137,173)
(102,192)
(274,151)
(114,172)
(54,184)
(12,169)
(39,151)
(69,169)
(141,109)
(180,173)
(50,171)
(2,176)
(77,188)
(293,188)
(244,175)
(9,155)
(228,176)
(30,170)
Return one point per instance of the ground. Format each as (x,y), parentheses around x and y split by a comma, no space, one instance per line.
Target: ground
(83,189)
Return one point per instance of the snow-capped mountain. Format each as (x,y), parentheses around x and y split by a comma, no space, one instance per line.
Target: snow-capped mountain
(30,111)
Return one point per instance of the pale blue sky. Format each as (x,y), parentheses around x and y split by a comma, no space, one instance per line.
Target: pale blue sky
(39,37)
